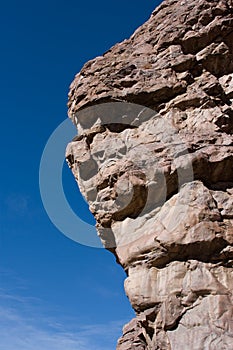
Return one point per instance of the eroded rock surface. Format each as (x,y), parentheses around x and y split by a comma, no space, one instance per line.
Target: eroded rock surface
(154,159)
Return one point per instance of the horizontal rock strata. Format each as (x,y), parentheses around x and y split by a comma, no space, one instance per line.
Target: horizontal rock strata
(154,159)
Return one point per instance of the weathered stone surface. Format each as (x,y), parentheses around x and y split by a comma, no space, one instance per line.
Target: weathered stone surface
(158,175)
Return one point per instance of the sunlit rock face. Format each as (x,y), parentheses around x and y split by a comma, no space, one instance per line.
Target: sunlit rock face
(154,159)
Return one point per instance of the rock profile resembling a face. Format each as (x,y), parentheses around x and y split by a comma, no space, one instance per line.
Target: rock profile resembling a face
(154,160)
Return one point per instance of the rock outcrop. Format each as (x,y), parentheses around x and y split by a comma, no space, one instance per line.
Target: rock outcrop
(154,159)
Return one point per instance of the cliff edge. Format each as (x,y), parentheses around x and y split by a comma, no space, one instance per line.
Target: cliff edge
(154,159)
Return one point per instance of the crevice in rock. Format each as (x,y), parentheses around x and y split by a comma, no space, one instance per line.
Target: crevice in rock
(119,127)
(220,186)
(225,122)
(136,205)
(205,251)
(154,99)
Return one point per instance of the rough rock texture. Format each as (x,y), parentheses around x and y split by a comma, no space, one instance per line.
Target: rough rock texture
(159,180)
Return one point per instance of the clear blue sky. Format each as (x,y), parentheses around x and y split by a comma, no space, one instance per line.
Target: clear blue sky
(55,294)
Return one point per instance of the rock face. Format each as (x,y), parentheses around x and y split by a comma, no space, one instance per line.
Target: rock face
(154,159)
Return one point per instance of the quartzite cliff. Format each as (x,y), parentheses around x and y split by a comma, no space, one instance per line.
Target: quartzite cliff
(157,171)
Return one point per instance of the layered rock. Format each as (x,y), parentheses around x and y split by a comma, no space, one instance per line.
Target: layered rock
(154,159)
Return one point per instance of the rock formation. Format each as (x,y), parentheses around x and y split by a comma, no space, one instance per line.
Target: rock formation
(154,159)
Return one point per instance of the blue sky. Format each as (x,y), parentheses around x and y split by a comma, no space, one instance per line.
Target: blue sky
(54,292)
